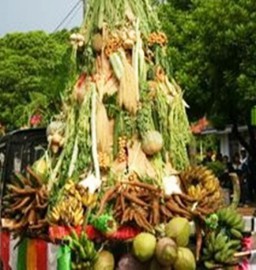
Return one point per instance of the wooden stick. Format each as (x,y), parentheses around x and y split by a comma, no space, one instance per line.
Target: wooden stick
(245,253)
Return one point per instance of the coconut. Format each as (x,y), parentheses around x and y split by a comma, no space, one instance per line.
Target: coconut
(185,260)
(179,230)
(128,261)
(155,265)
(152,142)
(144,246)
(166,251)
(105,261)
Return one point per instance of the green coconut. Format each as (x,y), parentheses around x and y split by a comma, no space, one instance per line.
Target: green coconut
(166,251)
(185,260)
(105,261)
(179,230)
(143,246)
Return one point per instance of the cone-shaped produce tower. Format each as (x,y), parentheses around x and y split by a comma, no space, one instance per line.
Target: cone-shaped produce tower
(117,156)
(123,113)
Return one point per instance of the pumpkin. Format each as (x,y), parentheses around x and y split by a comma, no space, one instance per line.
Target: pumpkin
(152,142)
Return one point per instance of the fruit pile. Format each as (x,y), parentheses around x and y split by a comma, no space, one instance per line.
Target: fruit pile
(70,210)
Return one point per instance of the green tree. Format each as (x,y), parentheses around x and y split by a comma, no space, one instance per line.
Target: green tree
(211,44)
(34,69)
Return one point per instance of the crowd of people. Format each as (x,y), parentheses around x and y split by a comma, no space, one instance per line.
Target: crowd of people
(243,166)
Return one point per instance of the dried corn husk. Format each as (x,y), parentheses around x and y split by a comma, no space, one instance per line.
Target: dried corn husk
(139,162)
(128,95)
(105,80)
(102,128)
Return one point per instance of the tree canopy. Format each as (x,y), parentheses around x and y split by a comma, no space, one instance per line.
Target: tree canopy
(34,69)
(211,45)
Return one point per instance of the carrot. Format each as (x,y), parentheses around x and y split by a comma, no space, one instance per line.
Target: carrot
(122,202)
(134,199)
(174,208)
(156,213)
(42,221)
(21,191)
(36,226)
(32,217)
(204,211)
(23,180)
(38,179)
(22,203)
(199,240)
(42,206)
(165,211)
(131,214)
(142,221)
(177,199)
(22,223)
(125,215)
(142,185)
(28,208)
(109,195)
(187,198)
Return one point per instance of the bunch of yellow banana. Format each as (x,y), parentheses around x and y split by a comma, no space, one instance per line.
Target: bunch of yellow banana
(200,175)
(196,191)
(202,185)
(88,199)
(219,250)
(211,184)
(69,210)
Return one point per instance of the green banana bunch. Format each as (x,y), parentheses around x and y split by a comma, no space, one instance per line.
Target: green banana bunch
(232,220)
(219,250)
(83,252)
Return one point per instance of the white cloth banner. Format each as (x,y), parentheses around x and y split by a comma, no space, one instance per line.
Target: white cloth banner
(52,257)
(13,253)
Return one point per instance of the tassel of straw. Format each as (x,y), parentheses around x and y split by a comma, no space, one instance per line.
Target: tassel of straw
(128,95)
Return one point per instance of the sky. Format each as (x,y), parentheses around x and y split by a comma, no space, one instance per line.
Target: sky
(29,15)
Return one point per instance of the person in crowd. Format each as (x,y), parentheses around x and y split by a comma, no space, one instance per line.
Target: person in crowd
(244,157)
(219,157)
(209,156)
(224,178)
(238,169)
(245,175)
(252,178)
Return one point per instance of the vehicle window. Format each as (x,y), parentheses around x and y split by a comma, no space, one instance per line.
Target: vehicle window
(17,158)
